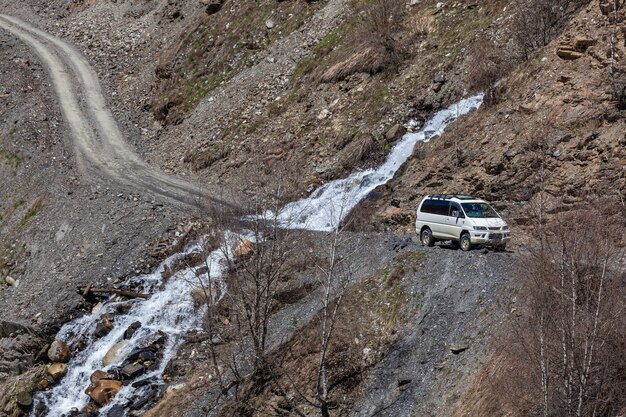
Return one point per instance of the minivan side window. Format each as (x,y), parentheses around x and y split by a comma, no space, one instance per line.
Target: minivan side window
(455,211)
(440,207)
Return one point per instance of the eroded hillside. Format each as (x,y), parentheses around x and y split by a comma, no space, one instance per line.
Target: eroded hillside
(253,94)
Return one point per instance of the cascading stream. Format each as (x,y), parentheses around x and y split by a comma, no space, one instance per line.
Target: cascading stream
(170,310)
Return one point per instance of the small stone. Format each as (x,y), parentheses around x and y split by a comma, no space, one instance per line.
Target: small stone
(269,23)
(9,281)
(57,370)
(456,349)
(440,78)
(324,114)
(59,352)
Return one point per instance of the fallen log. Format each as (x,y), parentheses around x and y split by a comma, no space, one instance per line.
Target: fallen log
(130,294)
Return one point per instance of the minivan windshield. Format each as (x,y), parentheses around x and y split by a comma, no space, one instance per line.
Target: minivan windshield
(479,210)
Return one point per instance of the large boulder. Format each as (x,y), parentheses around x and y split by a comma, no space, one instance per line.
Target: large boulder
(59,352)
(103,390)
(115,354)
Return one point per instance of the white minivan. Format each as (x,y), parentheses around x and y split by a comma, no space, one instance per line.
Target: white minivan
(460,218)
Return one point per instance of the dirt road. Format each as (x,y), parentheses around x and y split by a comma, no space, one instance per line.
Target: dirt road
(99,145)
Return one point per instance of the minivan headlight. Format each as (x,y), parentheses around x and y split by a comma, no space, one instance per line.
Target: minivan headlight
(505,227)
(480,228)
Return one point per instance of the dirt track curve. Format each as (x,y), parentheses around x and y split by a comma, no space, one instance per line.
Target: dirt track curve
(99,145)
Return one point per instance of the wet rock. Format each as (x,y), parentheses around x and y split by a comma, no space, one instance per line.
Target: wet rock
(104,390)
(117,411)
(199,296)
(98,375)
(132,329)
(103,327)
(132,371)
(59,352)
(57,370)
(154,340)
(114,355)
(244,249)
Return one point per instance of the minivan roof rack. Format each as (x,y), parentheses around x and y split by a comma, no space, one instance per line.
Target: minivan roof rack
(449,196)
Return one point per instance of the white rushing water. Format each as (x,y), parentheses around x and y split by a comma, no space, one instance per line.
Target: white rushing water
(170,309)
(327,206)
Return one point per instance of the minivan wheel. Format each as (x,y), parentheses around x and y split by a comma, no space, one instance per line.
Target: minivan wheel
(465,242)
(427,237)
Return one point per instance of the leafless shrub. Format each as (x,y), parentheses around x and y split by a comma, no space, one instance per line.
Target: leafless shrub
(569,336)
(378,44)
(536,22)
(487,68)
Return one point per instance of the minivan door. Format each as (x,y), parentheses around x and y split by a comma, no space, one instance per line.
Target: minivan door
(454,221)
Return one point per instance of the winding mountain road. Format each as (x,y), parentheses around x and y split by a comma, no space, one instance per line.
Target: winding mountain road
(99,145)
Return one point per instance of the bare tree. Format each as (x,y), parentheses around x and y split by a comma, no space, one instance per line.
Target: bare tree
(572,328)
(536,22)
(487,68)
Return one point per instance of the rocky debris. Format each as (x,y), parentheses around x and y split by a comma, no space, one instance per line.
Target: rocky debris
(574,48)
(59,352)
(19,347)
(607,7)
(57,370)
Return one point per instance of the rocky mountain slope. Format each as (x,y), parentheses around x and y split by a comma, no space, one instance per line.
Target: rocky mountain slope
(248,95)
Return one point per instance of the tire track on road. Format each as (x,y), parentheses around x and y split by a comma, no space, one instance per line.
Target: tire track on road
(98,143)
